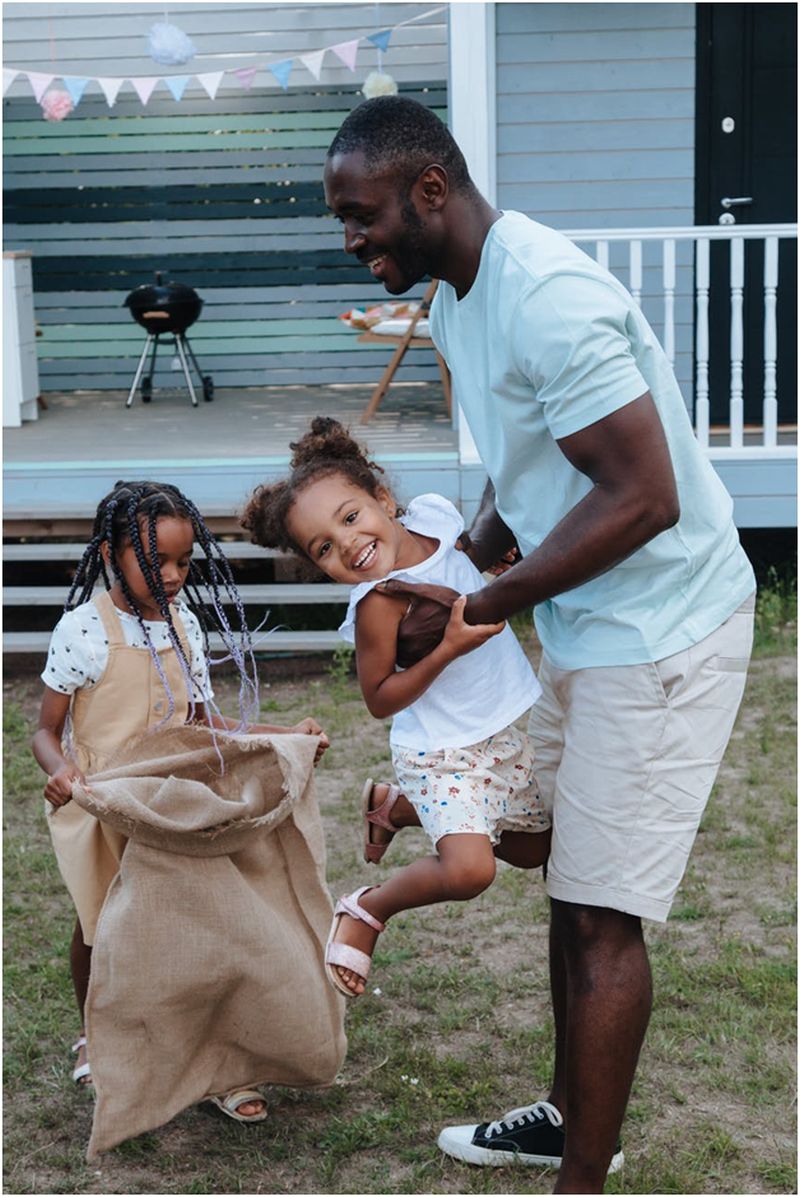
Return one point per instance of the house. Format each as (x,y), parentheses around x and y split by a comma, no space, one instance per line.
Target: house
(661,136)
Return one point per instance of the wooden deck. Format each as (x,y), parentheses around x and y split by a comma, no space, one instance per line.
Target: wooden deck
(57,467)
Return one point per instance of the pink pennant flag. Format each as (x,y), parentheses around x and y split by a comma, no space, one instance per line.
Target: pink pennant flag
(246,75)
(9,75)
(313,62)
(39,82)
(145,86)
(211,82)
(347,51)
(110,89)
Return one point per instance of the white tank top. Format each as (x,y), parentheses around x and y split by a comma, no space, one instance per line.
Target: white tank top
(478,694)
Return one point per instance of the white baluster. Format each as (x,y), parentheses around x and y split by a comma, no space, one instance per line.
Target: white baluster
(701,403)
(602,254)
(669,300)
(636,271)
(770,341)
(737,342)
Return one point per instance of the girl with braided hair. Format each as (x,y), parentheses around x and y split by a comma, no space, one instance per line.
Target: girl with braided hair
(124,659)
(464,772)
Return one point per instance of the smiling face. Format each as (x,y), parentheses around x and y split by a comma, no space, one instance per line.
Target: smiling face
(174,544)
(347,533)
(383,226)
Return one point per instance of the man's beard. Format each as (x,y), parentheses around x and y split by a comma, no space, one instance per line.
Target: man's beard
(410,254)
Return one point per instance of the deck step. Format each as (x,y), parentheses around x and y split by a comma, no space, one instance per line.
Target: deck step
(272,642)
(239,550)
(283,593)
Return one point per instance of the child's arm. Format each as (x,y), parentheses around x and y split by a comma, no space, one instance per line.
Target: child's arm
(385,691)
(306,727)
(46,747)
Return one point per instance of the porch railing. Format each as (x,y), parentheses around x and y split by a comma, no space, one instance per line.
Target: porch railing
(599,242)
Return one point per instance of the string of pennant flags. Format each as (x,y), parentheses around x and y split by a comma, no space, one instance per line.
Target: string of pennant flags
(210,81)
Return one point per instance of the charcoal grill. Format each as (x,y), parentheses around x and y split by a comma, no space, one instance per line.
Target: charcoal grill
(165,311)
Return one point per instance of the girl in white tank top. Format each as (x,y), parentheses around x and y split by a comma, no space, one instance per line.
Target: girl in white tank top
(465,773)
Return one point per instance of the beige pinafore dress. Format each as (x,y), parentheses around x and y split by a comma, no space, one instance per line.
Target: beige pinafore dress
(128,699)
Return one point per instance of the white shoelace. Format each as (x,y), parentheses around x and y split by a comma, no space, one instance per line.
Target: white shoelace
(523,1115)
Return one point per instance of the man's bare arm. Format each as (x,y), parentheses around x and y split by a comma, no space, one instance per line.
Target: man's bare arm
(634,497)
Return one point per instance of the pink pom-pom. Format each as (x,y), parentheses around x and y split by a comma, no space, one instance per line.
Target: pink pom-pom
(56,105)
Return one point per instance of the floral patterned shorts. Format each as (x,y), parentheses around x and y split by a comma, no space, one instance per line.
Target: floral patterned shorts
(486,788)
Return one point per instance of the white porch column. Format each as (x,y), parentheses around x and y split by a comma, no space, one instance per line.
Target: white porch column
(472,108)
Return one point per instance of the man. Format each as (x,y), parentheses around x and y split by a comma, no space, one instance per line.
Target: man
(643,595)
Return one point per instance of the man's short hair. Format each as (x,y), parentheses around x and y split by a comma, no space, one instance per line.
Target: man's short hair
(396,133)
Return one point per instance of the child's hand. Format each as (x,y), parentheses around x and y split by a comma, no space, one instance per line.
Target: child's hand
(58,790)
(310,727)
(461,637)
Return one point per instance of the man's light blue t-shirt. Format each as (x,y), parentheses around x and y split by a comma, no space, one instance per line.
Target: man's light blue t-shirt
(545,343)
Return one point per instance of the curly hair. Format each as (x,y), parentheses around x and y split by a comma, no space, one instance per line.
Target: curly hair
(326,449)
(398,134)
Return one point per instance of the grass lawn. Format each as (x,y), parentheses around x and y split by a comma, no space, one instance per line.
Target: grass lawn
(455,1025)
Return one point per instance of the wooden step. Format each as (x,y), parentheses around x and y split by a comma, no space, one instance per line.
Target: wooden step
(283,593)
(272,642)
(239,550)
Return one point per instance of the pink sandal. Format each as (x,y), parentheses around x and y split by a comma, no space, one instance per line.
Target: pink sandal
(342,954)
(380,817)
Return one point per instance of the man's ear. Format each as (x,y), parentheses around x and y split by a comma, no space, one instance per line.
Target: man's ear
(105,552)
(433,187)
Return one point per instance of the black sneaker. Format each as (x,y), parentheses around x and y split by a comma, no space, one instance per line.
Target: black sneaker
(528,1135)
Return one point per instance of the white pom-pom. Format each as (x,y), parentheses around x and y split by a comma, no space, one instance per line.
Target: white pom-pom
(378,84)
(169,44)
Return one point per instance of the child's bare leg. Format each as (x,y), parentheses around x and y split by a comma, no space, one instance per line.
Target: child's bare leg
(403,814)
(524,849)
(80,962)
(464,867)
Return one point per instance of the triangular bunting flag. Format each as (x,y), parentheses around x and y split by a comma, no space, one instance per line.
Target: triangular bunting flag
(211,82)
(39,82)
(281,71)
(8,78)
(76,88)
(347,51)
(177,85)
(145,86)
(110,89)
(313,62)
(246,75)
(381,40)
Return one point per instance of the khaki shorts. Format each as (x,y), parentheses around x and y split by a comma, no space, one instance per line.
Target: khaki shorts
(626,757)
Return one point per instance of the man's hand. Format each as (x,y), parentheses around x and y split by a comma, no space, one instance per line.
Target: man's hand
(509,558)
(58,790)
(423,625)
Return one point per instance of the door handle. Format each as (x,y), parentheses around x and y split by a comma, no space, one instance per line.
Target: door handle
(738,201)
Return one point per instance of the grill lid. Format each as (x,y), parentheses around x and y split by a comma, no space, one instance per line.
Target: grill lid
(164,307)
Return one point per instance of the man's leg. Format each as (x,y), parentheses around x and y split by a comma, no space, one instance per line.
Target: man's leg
(602,984)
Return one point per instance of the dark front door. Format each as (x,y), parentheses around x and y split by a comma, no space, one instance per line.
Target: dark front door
(746,139)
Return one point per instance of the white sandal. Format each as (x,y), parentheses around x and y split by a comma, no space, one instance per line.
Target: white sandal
(344,955)
(229,1104)
(82,1070)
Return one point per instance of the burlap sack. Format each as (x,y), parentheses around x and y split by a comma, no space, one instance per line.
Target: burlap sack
(207,969)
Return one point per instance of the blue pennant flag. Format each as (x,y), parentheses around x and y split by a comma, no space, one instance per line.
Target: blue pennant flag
(76,88)
(381,40)
(177,85)
(282,71)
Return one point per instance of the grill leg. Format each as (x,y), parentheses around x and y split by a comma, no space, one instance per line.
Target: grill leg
(139,369)
(188,345)
(185,364)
